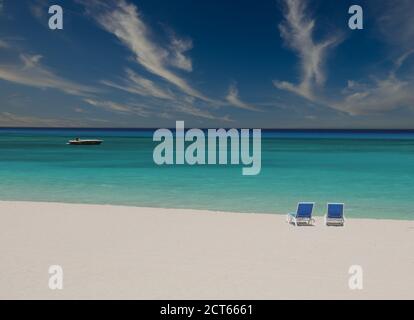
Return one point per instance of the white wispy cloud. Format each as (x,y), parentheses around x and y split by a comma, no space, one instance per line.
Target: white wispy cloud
(375,96)
(395,22)
(184,106)
(9,119)
(38,9)
(136,84)
(190,109)
(118,107)
(31,72)
(297,31)
(124,21)
(384,95)
(400,60)
(4,44)
(178,58)
(234,99)
(380,95)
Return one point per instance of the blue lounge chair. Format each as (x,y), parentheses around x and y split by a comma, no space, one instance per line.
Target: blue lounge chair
(303,215)
(335,214)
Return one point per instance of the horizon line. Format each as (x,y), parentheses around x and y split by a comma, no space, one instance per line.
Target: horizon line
(206,128)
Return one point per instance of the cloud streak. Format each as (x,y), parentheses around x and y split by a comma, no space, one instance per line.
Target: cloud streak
(395,22)
(297,31)
(375,97)
(30,72)
(8,119)
(4,44)
(178,58)
(190,109)
(124,21)
(118,107)
(234,99)
(135,84)
(394,91)
(382,95)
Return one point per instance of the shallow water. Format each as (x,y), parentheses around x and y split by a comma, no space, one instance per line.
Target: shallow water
(372,173)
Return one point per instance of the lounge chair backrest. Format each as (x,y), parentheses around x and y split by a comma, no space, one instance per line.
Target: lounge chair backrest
(335,210)
(304,210)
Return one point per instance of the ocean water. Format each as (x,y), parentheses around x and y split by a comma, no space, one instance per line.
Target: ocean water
(371,172)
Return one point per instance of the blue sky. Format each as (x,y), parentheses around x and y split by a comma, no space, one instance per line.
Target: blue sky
(216,63)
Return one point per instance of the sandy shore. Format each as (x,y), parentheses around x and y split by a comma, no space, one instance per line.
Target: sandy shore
(109,252)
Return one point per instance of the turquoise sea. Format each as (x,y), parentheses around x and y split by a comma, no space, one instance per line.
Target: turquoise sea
(372,172)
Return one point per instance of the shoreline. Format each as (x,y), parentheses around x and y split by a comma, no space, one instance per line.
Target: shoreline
(189,210)
(122,252)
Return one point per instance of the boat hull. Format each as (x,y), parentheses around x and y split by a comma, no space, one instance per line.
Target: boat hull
(85,142)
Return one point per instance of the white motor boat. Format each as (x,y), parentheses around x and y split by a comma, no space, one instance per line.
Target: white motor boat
(82,142)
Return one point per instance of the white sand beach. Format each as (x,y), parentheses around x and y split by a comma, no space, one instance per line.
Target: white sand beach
(111,252)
